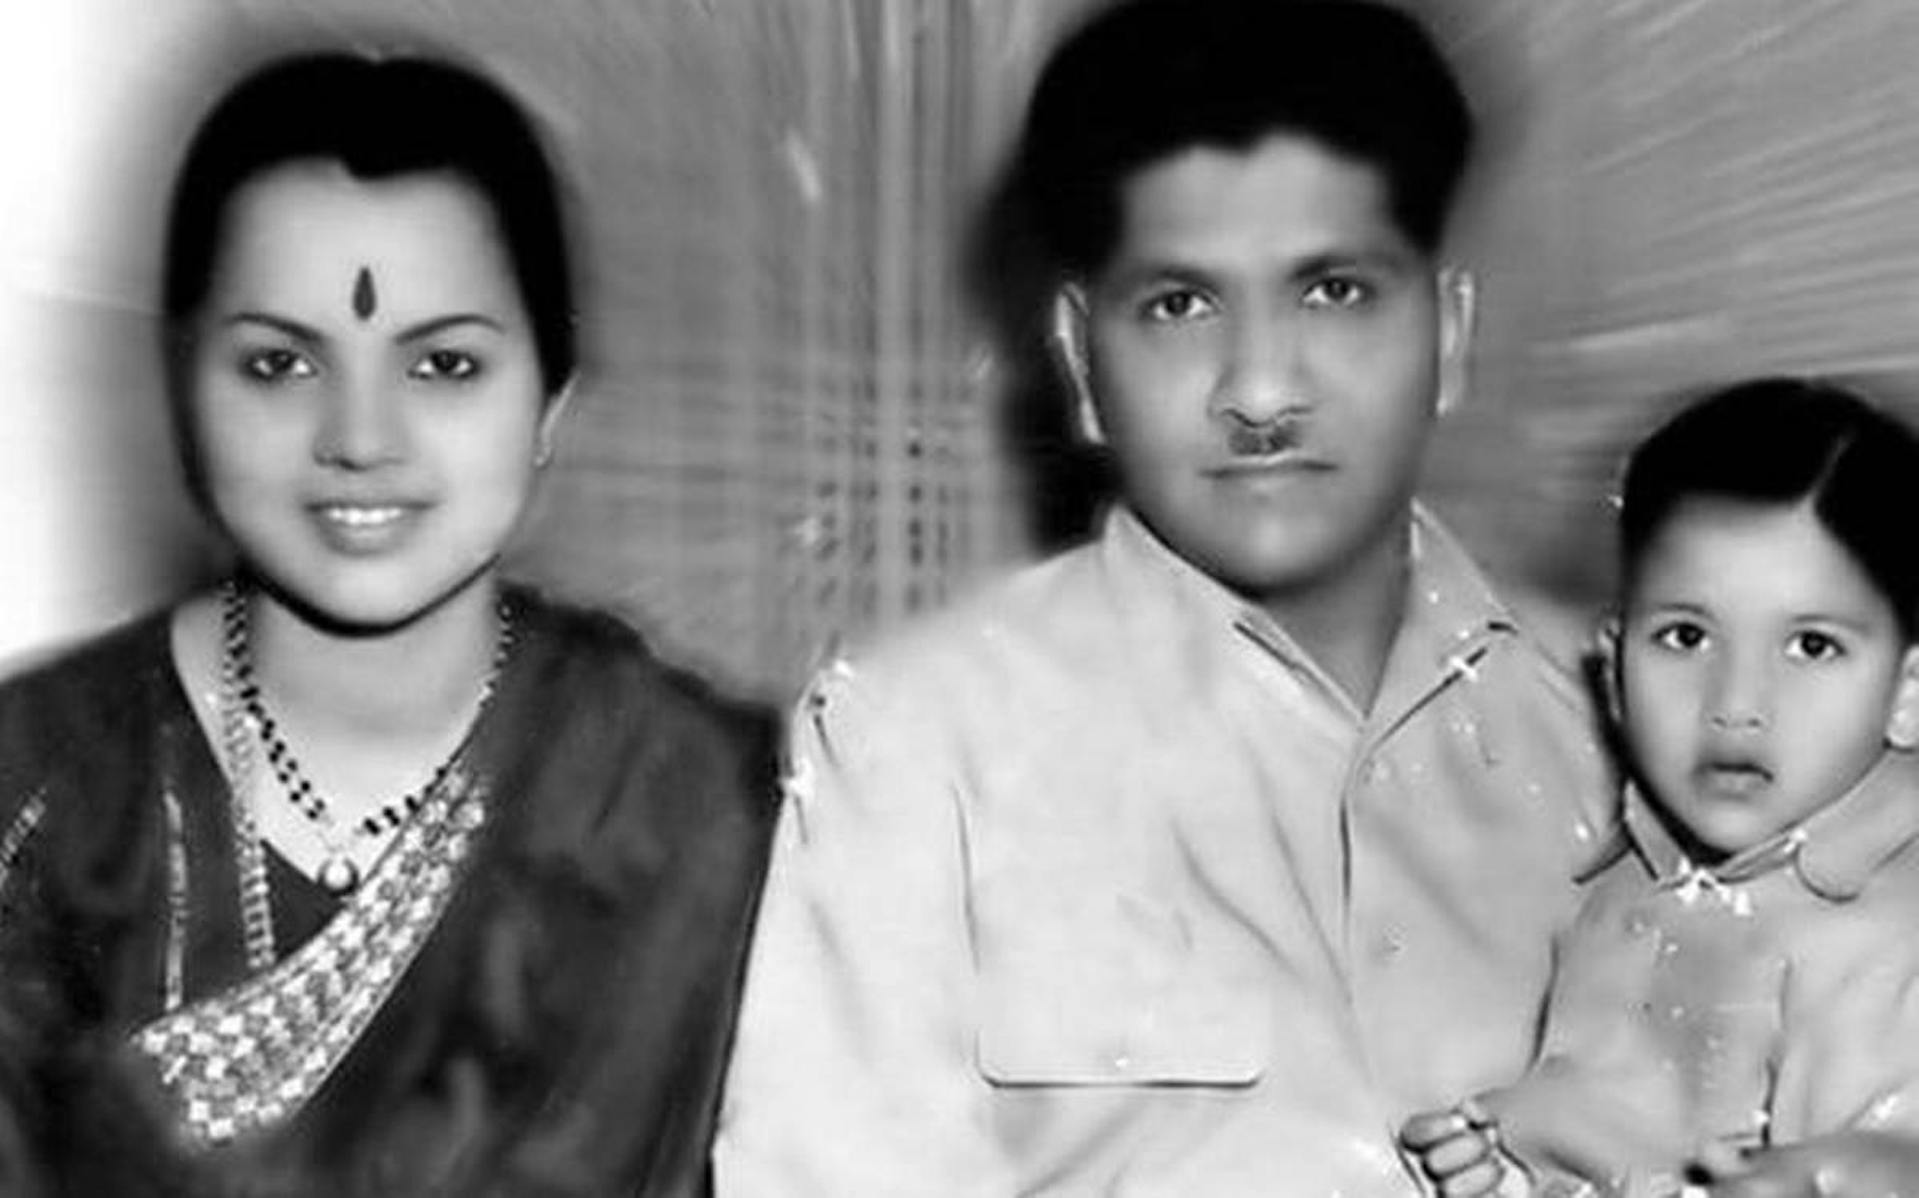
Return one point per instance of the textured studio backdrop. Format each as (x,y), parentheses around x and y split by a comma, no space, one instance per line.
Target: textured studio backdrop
(795,428)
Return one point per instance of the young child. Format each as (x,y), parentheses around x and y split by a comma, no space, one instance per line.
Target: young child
(1746,973)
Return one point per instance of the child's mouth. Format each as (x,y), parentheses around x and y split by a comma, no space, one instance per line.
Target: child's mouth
(1736,778)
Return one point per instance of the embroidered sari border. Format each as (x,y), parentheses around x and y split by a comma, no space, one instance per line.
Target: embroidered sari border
(254,1055)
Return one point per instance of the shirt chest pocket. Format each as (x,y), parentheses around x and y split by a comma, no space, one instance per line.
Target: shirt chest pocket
(1114,993)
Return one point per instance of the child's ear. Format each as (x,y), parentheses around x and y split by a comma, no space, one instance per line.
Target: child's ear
(1606,647)
(1902,722)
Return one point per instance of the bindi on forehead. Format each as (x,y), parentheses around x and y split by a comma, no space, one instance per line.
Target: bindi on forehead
(365,299)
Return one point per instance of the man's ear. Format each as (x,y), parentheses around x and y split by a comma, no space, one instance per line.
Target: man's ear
(557,405)
(1902,722)
(1611,686)
(1458,311)
(1066,338)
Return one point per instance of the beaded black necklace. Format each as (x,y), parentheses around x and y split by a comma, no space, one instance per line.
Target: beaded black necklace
(338,872)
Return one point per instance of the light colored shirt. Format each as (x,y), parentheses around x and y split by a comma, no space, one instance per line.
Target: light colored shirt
(1768,999)
(1096,884)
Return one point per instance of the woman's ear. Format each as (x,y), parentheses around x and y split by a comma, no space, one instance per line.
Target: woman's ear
(1606,649)
(556,407)
(1066,338)
(1902,722)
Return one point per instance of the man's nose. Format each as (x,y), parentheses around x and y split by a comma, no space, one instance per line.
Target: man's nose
(1261,376)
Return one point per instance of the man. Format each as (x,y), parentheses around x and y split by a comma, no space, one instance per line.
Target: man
(1190,861)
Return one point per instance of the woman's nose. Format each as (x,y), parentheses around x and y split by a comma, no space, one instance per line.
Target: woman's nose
(360,427)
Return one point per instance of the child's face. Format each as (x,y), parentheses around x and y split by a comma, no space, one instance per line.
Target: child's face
(1758,669)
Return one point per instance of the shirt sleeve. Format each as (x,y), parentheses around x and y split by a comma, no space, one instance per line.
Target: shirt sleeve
(1850,1055)
(1599,1103)
(854,1070)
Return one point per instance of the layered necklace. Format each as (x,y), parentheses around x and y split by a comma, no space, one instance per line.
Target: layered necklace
(245,711)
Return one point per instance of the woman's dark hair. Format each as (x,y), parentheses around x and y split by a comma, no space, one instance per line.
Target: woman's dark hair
(1146,79)
(1787,441)
(378,117)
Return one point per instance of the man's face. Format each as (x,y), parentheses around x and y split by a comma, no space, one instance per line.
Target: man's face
(1263,352)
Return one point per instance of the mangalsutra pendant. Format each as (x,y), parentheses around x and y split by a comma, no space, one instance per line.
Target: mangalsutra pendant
(340,876)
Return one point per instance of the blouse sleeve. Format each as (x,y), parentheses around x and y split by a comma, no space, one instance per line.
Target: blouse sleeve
(28,1012)
(625,909)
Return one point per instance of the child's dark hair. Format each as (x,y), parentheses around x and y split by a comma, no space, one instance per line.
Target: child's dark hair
(1146,79)
(1788,441)
(378,117)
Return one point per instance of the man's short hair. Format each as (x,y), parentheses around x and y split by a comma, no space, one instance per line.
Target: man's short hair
(1146,79)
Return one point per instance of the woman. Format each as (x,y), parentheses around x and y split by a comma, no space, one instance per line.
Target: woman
(364,872)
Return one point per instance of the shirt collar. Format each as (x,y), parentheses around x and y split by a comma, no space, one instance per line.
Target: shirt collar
(1452,619)
(1451,615)
(1833,852)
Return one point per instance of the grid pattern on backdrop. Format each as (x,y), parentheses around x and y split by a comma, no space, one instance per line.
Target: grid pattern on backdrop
(792,432)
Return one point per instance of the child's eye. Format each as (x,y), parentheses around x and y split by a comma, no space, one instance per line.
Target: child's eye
(453,365)
(276,365)
(1338,291)
(1177,306)
(1681,637)
(1814,646)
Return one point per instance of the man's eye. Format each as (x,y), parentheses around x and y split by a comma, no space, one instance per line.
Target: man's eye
(450,364)
(1172,307)
(1338,291)
(1679,638)
(1814,646)
(276,365)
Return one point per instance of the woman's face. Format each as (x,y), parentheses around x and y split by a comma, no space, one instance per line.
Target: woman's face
(366,396)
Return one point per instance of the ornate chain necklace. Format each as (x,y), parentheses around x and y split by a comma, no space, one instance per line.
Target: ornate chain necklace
(339,873)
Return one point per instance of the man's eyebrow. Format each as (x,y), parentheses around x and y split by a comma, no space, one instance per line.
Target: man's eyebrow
(440,324)
(1150,271)
(1365,258)
(1135,275)
(283,324)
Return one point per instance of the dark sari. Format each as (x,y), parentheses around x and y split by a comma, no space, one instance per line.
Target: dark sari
(559,1026)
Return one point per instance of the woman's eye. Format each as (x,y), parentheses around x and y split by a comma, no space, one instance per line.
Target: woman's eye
(1338,291)
(1174,307)
(451,364)
(1814,646)
(276,365)
(1679,638)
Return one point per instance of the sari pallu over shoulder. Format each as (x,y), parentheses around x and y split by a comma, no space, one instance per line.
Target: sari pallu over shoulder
(248,1058)
(556,985)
